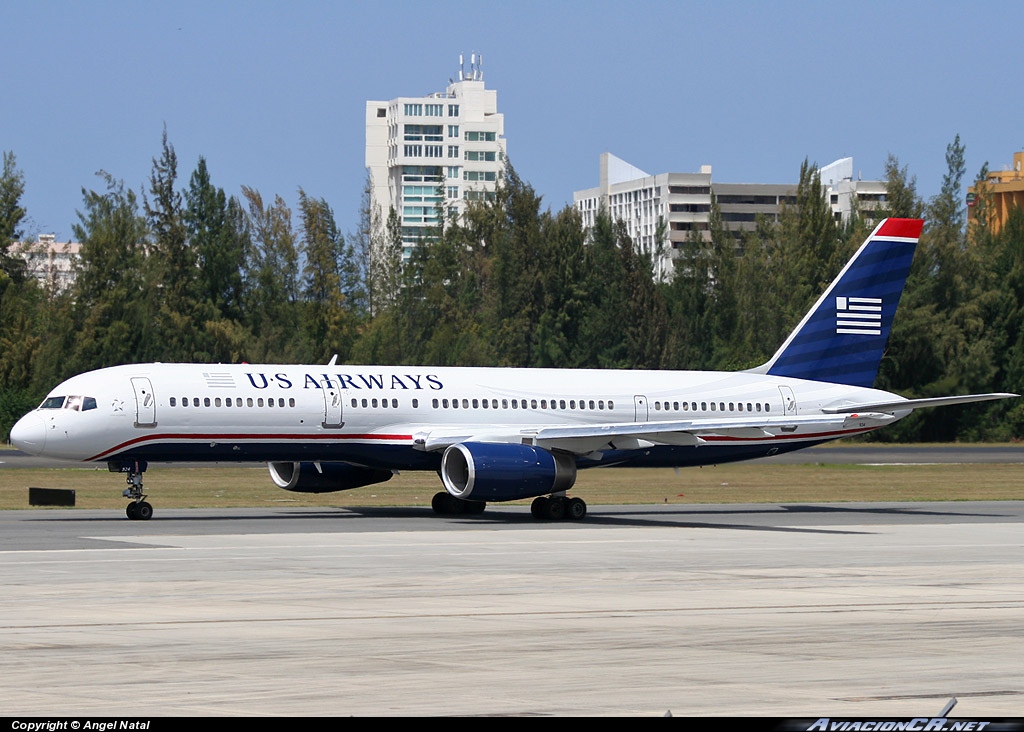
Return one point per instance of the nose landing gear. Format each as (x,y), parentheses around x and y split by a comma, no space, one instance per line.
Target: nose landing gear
(139,509)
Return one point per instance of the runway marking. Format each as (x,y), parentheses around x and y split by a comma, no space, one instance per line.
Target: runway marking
(847,607)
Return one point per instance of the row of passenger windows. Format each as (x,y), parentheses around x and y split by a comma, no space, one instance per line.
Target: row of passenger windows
(233,402)
(571,404)
(522,404)
(714,406)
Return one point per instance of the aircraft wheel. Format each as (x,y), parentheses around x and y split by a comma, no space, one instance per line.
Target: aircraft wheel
(555,509)
(539,507)
(143,511)
(131,510)
(445,504)
(576,509)
(474,508)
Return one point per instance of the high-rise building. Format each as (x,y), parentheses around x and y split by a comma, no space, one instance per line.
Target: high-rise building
(433,154)
(51,262)
(661,212)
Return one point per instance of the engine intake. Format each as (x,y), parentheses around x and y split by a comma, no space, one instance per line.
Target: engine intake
(331,477)
(482,471)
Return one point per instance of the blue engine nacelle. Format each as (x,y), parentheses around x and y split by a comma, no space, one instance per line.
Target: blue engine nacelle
(306,478)
(483,471)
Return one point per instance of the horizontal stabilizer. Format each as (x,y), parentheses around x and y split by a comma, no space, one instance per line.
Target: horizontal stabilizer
(916,403)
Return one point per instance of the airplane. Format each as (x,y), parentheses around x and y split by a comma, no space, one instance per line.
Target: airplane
(495,434)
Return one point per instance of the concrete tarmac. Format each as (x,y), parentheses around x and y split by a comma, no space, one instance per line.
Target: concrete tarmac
(862,610)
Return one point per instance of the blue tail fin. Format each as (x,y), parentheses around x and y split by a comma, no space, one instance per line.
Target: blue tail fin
(842,338)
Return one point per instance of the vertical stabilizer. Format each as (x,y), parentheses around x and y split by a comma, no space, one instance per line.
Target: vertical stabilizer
(842,339)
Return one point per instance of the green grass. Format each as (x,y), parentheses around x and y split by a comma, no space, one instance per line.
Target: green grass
(224,487)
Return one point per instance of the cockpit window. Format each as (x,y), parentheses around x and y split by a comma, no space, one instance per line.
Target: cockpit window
(80,403)
(77,403)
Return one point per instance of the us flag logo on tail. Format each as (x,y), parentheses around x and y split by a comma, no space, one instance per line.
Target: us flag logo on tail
(859,315)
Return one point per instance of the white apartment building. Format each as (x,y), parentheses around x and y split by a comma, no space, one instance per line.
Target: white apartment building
(435,153)
(661,211)
(51,262)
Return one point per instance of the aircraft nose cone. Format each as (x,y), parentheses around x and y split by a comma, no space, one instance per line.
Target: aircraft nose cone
(29,434)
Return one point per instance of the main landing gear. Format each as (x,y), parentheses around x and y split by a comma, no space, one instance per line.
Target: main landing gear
(139,509)
(550,508)
(445,504)
(558,508)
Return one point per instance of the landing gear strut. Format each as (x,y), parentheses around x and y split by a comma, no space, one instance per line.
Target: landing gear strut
(139,509)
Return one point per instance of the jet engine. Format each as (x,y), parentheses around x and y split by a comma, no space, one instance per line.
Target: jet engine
(324,477)
(481,471)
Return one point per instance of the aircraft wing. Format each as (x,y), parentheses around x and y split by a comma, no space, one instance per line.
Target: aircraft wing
(587,438)
(902,404)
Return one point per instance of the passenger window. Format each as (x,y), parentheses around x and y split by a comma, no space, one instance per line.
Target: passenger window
(173,402)
(415,403)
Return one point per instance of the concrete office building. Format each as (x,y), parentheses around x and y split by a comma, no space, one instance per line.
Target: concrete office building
(436,152)
(680,203)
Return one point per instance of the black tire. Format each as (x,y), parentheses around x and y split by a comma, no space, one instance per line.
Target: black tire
(555,509)
(576,509)
(474,508)
(143,511)
(539,507)
(438,503)
(131,511)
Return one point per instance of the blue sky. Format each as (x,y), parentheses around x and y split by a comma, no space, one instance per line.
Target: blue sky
(273,94)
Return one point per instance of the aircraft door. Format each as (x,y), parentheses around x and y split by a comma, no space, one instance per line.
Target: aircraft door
(332,405)
(788,401)
(641,413)
(145,402)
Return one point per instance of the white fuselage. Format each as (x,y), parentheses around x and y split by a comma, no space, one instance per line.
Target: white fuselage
(388,416)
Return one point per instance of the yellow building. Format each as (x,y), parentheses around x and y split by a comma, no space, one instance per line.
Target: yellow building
(1003,190)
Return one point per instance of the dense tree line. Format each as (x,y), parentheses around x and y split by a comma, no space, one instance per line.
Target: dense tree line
(184,272)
